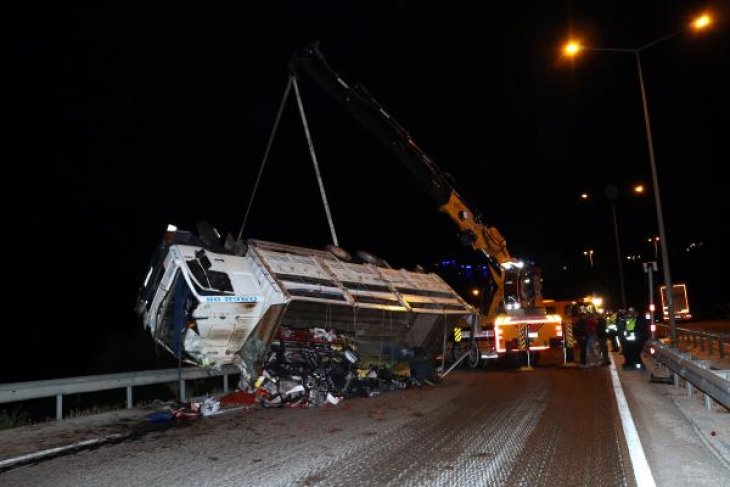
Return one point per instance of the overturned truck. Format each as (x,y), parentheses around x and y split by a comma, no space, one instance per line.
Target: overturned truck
(206,303)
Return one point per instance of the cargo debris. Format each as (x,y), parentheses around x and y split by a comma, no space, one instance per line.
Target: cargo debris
(316,366)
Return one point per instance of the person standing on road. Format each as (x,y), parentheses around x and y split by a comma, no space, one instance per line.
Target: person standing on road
(602,335)
(643,333)
(612,329)
(621,330)
(634,339)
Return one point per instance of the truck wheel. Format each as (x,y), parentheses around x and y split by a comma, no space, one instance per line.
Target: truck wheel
(474,356)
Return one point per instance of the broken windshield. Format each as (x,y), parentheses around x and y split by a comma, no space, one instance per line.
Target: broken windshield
(206,280)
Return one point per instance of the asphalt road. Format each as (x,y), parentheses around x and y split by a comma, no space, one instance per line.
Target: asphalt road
(550,426)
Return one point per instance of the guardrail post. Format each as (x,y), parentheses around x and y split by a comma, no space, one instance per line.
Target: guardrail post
(59,406)
(721,346)
(225,383)
(697,375)
(694,341)
(708,402)
(702,343)
(709,343)
(182,390)
(129,397)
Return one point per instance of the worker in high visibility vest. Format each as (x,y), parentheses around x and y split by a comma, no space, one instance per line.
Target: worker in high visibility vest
(602,335)
(621,330)
(635,335)
(612,329)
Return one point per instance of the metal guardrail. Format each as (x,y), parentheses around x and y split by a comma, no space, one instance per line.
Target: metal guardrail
(698,338)
(22,391)
(696,373)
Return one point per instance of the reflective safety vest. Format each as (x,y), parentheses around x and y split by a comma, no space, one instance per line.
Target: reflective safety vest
(611,322)
(630,324)
(630,327)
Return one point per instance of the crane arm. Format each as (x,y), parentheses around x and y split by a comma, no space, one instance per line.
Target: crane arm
(364,108)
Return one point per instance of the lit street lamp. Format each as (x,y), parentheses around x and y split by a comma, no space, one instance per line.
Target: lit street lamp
(475,292)
(655,241)
(571,50)
(589,254)
(701,22)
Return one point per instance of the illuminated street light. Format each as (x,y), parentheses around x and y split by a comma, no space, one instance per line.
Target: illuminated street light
(639,188)
(584,196)
(701,22)
(589,254)
(475,292)
(571,49)
(655,241)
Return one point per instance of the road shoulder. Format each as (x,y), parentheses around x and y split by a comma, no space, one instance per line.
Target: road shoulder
(668,426)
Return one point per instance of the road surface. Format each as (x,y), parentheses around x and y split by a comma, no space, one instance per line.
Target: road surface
(550,426)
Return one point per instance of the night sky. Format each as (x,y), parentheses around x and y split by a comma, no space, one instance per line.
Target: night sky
(126,118)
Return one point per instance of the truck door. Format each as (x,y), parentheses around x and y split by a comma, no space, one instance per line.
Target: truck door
(156,286)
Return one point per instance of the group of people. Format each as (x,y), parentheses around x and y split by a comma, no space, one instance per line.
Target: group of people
(626,330)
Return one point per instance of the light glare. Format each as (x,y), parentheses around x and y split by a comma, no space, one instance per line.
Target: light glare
(572,49)
(702,21)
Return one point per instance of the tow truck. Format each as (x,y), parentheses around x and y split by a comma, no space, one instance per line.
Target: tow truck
(515,319)
(569,311)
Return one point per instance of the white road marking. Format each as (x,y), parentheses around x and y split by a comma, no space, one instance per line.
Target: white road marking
(52,451)
(642,472)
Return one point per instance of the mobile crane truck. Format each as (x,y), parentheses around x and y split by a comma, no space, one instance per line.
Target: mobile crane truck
(206,301)
(515,319)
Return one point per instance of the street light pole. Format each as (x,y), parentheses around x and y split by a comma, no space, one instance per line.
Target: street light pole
(612,194)
(572,49)
(650,268)
(658,201)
